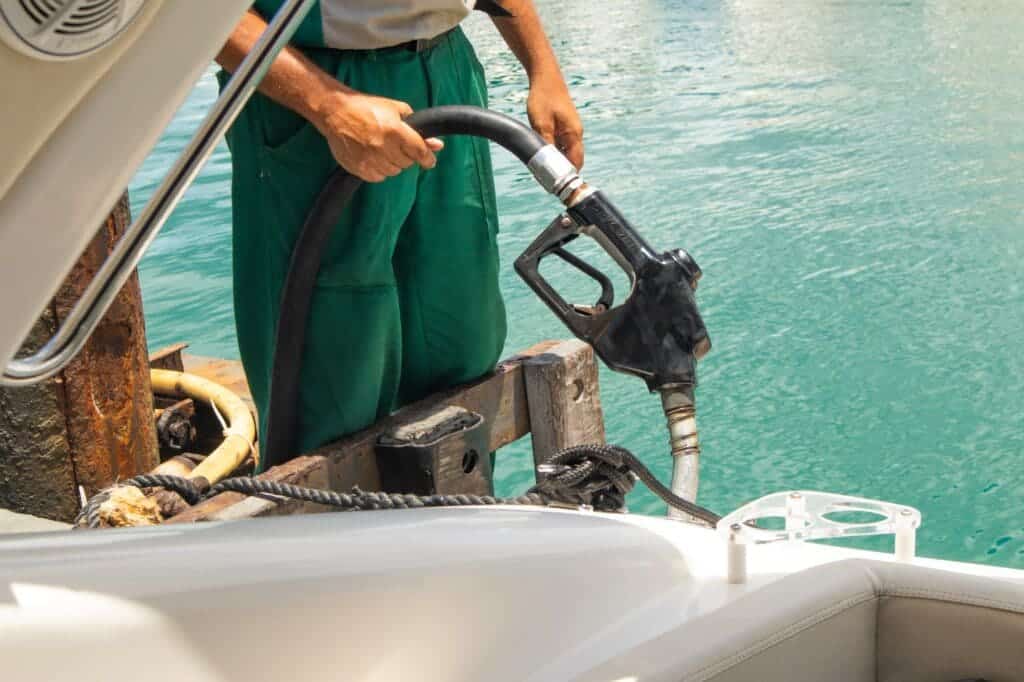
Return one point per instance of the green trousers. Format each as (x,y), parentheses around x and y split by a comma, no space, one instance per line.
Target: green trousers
(407,300)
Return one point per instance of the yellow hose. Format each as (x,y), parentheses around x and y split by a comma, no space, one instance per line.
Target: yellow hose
(240,429)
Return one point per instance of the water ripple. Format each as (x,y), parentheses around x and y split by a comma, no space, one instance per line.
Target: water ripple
(847,174)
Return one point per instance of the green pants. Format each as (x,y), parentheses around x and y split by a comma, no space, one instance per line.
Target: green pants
(407,300)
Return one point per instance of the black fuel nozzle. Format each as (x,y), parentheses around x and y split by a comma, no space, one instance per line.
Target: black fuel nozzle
(657,332)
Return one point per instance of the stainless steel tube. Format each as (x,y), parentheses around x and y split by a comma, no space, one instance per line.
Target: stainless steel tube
(100,293)
(681,414)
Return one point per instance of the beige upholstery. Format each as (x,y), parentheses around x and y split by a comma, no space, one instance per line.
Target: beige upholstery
(851,621)
(943,637)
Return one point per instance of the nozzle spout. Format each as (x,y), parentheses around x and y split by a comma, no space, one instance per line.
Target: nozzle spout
(681,414)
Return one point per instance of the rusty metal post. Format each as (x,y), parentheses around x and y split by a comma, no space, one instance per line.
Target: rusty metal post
(93,424)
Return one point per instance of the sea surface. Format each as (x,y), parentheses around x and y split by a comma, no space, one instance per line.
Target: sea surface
(850,177)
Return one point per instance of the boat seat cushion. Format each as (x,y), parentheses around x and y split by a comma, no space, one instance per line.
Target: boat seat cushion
(949,631)
(850,621)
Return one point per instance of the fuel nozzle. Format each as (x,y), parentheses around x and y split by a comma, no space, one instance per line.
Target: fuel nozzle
(656,332)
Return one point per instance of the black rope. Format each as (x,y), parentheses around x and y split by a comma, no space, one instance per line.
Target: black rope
(185,487)
(595,476)
(600,476)
(359,500)
(90,514)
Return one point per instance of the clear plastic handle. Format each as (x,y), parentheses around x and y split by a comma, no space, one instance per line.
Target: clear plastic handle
(807,515)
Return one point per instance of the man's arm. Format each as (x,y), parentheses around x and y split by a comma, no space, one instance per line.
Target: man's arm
(366,134)
(549,106)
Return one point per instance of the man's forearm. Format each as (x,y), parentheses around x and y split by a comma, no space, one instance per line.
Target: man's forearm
(549,106)
(524,35)
(292,80)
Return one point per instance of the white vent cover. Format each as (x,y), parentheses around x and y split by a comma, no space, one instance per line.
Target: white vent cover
(64,29)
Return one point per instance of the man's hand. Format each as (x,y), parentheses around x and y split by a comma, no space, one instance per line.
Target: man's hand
(549,105)
(554,116)
(366,134)
(368,137)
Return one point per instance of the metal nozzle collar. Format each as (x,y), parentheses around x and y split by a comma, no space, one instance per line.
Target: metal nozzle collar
(554,172)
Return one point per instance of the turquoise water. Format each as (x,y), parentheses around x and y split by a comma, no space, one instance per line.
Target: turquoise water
(850,177)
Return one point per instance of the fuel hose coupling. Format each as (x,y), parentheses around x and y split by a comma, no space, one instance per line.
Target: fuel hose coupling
(555,173)
(681,414)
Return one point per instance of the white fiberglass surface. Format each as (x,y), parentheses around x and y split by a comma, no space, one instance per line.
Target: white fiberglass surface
(496,593)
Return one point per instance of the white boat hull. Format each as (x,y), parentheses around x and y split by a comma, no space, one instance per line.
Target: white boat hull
(459,594)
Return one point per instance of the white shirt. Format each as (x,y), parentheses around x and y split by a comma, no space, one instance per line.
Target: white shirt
(371,24)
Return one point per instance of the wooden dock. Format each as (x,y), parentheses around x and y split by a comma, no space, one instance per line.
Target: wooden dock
(550,391)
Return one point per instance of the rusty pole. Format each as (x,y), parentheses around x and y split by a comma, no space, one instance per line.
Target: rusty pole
(92,424)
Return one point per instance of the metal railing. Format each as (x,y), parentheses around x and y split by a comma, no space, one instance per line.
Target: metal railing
(123,259)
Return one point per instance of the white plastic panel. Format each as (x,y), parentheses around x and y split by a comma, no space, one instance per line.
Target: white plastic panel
(53,205)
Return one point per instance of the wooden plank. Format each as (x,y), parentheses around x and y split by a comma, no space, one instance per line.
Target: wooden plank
(351,461)
(307,470)
(564,398)
(168,357)
(500,398)
(304,471)
(185,406)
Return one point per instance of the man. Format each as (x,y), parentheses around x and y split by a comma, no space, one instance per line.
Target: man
(407,300)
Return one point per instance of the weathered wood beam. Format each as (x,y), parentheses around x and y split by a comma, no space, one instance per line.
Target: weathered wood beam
(307,470)
(169,357)
(499,397)
(564,399)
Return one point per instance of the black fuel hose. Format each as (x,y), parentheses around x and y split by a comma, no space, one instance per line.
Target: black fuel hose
(512,134)
(280,443)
